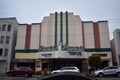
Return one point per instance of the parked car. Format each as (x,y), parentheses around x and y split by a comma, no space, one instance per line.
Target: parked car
(27,71)
(68,76)
(66,69)
(115,70)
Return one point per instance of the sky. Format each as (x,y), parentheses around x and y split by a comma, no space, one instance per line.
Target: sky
(33,11)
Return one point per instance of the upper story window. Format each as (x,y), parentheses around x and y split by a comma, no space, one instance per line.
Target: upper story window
(3,27)
(0,28)
(119,36)
(6,52)
(1,50)
(2,39)
(7,39)
(9,28)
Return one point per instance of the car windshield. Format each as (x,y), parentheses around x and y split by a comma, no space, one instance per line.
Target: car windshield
(22,68)
(106,68)
(68,68)
(109,68)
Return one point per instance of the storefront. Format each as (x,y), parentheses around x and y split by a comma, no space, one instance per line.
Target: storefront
(52,60)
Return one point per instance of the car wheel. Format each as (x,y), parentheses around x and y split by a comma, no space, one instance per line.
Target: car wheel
(118,74)
(30,75)
(101,75)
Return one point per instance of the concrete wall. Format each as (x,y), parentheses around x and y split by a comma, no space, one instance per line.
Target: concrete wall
(104,35)
(116,36)
(21,36)
(75,30)
(35,36)
(89,35)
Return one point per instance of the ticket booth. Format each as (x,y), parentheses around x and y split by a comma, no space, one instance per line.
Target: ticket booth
(38,66)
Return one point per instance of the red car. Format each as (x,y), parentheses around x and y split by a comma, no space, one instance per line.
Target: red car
(27,71)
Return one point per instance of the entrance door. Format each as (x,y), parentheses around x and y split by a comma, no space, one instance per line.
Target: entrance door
(2,67)
(46,65)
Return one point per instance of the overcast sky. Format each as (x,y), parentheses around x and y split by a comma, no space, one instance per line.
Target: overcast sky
(33,11)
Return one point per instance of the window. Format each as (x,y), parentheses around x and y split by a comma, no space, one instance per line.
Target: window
(3,27)
(6,52)
(0,28)
(23,68)
(114,67)
(9,28)
(7,39)
(106,68)
(1,50)
(119,36)
(2,39)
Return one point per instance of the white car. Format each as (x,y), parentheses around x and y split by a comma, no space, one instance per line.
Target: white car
(66,69)
(114,70)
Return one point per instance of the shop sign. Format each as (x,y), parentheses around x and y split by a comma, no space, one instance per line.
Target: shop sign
(62,54)
(46,55)
(75,53)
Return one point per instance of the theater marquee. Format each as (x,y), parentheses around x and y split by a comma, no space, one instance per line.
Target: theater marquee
(61,54)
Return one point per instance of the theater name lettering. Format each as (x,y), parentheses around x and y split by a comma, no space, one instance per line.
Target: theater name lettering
(46,55)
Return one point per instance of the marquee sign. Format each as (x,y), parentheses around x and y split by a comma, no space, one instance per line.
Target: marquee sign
(46,55)
(61,54)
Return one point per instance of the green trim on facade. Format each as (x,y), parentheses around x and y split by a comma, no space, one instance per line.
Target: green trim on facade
(98,49)
(61,27)
(67,28)
(55,29)
(27,50)
(87,50)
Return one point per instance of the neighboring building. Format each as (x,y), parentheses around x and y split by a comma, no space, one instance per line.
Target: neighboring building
(38,44)
(115,44)
(8,31)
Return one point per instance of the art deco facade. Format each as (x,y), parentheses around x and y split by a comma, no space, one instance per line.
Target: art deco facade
(64,28)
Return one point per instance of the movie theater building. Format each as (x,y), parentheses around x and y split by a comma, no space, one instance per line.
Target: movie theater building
(62,39)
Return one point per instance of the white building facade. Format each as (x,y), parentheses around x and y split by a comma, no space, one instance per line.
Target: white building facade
(71,31)
(116,51)
(8,33)
(39,42)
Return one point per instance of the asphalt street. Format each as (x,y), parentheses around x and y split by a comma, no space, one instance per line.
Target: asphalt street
(39,77)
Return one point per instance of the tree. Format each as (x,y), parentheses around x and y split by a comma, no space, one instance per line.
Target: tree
(94,61)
